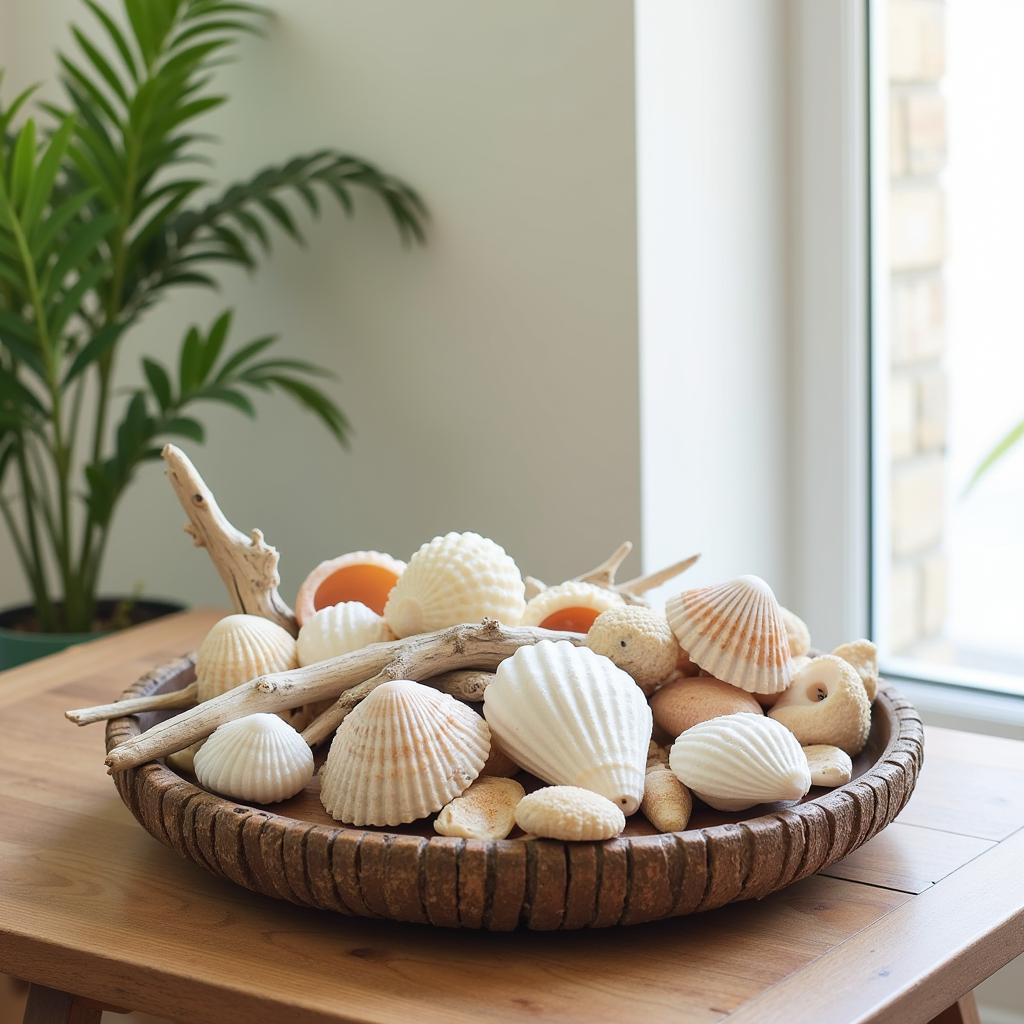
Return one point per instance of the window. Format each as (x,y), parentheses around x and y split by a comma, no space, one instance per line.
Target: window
(948,346)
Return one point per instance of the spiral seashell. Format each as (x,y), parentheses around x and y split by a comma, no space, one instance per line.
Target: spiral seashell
(460,577)
(572,606)
(340,629)
(258,758)
(240,648)
(572,718)
(364,576)
(737,761)
(735,632)
(402,754)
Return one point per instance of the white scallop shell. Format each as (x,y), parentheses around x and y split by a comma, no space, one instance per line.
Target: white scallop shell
(572,718)
(340,629)
(736,761)
(460,577)
(402,754)
(735,632)
(571,594)
(258,758)
(239,648)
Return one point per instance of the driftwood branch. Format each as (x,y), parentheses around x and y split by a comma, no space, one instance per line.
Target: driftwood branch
(424,655)
(463,684)
(173,701)
(245,562)
(603,575)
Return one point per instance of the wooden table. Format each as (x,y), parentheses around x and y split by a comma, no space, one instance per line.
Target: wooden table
(90,904)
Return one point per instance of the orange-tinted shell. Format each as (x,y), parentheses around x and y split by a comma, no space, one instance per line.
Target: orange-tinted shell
(365,576)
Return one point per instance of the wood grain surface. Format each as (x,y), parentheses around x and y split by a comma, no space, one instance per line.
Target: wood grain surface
(90,903)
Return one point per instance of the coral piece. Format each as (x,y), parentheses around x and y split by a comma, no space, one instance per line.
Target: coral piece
(571,717)
(737,761)
(487,810)
(667,803)
(735,632)
(572,606)
(569,813)
(258,758)
(364,576)
(402,754)
(460,577)
(797,633)
(829,766)
(240,648)
(340,629)
(683,703)
(639,641)
(826,704)
(863,656)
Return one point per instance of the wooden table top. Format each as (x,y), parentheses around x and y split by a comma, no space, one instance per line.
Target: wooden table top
(91,904)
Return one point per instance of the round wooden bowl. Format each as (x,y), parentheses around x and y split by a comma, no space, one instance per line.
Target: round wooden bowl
(294,851)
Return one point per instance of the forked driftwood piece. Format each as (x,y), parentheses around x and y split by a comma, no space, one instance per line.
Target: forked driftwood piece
(183,698)
(428,654)
(246,563)
(603,575)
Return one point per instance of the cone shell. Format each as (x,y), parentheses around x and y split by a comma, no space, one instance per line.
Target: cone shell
(240,648)
(571,606)
(340,629)
(737,761)
(402,754)
(258,757)
(364,576)
(735,632)
(572,718)
(460,577)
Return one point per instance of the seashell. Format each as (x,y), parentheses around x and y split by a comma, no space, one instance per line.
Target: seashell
(240,648)
(569,813)
(365,576)
(683,703)
(184,760)
(258,758)
(571,606)
(639,641)
(826,704)
(460,577)
(667,803)
(571,717)
(737,761)
(863,656)
(829,766)
(487,810)
(340,629)
(402,754)
(735,632)
(797,633)
(498,763)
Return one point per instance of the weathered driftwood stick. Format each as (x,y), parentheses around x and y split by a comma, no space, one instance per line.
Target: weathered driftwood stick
(641,584)
(603,575)
(425,655)
(177,699)
(463,684)
(246,563)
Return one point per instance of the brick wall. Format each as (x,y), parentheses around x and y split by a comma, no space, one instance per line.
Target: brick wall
(917,391)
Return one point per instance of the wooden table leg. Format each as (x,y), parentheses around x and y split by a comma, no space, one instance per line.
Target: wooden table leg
(963,1011)
(50,1006)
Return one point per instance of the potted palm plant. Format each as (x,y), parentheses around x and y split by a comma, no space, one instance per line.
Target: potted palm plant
(102,216)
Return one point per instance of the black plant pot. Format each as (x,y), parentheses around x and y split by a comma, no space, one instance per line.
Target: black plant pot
(20,642)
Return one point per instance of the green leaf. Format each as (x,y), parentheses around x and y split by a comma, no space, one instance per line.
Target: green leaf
(318,403)
(186,427)
(72,299)
(92,351)
(8,115)
(80,248)
(58,219)
(244,355)
(214,343)
(999,451)
(26,351)
(116,37)
(159,383)
(190,361)
(22,163)
(46,174)
(230,396)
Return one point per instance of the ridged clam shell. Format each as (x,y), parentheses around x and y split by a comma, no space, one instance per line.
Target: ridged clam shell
(364,576)
(562,600)
(402,754)
(258,758)
(340,629)
(460,577)
(735,632)
(239,648)
(737,761)
(572,718)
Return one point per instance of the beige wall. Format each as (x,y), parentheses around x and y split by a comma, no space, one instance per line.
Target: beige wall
(492,377)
